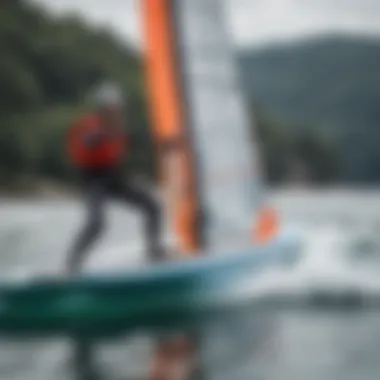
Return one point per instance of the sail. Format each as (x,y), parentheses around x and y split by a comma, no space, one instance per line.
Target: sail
(187,41)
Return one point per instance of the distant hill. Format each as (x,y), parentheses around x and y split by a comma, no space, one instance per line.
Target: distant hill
(317,100)
(330,85)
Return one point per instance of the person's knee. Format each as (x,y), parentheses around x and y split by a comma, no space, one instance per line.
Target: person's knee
(95,225)
(153,209)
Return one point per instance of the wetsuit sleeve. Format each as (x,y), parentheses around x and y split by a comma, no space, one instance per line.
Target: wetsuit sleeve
(128,140)
(83,134)
(92,139)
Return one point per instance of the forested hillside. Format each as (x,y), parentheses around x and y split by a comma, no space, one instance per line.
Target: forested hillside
(330,86)
(47,68)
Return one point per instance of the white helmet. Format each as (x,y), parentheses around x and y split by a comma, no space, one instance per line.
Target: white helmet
(108,94)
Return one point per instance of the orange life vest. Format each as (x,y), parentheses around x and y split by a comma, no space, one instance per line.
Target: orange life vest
(107,152)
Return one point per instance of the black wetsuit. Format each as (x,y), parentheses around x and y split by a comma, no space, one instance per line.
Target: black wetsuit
(101,186)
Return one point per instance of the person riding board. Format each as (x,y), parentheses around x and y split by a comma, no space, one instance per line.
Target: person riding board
(97,146)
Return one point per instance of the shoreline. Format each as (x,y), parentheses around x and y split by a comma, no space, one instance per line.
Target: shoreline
(40,191)
(54,192)
(50,191)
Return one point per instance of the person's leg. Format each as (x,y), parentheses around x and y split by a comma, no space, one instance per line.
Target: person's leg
(94,225)
(140,198)
(95,197)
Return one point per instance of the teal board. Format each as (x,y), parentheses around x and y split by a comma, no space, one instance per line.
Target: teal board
(163,296)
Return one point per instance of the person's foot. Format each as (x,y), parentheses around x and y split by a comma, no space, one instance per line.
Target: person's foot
(159,255)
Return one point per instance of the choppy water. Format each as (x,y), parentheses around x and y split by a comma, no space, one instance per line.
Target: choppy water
(324,333)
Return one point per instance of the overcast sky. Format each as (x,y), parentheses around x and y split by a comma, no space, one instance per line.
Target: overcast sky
(252,21)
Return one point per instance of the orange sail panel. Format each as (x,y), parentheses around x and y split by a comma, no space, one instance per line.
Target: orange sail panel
(168,122)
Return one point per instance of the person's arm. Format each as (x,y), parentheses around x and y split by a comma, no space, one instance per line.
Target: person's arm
(92,139)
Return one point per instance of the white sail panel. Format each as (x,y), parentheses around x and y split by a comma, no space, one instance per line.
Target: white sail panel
(228,178)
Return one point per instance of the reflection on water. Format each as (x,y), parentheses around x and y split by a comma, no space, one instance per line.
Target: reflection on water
(296,342)
(252,344)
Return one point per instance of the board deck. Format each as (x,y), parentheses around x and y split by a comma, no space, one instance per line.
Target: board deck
(170,294)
